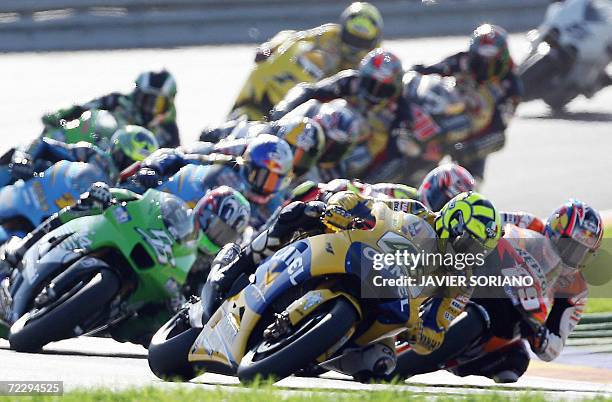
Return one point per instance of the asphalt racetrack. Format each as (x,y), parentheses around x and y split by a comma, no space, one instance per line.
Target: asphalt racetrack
(546,160)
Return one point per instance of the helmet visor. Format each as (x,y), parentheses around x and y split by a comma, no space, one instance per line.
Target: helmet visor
(216,231)
(265,182)
(358,43)
(465,244)
(573,253)
(376,91)
(151,104)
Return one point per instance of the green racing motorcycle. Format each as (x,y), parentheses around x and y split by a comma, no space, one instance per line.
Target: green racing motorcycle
(95,273)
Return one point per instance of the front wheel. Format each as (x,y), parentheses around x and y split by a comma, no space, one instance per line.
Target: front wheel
(61,320)
(169,349)
(312,337)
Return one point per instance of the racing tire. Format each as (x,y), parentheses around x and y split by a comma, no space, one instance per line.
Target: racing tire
(536,73)
(169,349)
(36,329)
(316,334)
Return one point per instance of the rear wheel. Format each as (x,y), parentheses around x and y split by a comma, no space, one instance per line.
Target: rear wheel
(62,319)
(312,337)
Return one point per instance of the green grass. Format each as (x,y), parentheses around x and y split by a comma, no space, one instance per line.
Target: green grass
(599,306)
(268,394)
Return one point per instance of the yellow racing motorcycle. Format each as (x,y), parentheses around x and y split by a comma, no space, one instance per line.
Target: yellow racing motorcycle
(270,80)
(302,306)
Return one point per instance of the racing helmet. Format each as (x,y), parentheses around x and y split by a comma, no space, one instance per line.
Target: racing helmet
(576,230)
(343,127)
(360,31)
(222,215)
(306,140)
(154,94)
(380,77)
(443,183)
(469,223)
(489,55)
(267,166)
(130,144)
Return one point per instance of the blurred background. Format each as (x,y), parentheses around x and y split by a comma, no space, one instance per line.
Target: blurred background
(27,25)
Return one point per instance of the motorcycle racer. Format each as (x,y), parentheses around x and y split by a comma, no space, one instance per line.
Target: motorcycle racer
(292,57)
(487,63)
(259,172)
(221,216)
(373,90)
(150,104)
(575,230)
(359,31)
(304,135)
(128,144)
(339,212)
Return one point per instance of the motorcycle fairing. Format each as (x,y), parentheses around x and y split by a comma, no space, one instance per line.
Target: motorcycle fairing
(224,338)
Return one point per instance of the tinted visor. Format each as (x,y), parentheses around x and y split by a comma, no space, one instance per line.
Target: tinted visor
(465,244)
(573,253)
(150,104)
(357,43)
(218,232)
(376,91)
(264,182)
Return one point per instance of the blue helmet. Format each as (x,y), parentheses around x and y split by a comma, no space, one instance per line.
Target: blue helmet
(267,166)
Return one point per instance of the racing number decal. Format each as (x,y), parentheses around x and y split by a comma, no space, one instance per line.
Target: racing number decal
(293,258)
(160,242)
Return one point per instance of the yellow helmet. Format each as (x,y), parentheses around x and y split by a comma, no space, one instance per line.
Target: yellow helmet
(470,223)
(361,30)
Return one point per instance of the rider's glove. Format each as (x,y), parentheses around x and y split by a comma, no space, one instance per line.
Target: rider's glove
(545,344)
(148,178)
(98,195)
(295,218)
(21,165)
(344,209)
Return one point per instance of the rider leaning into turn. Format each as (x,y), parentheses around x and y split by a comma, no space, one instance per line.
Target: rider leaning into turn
(487,62)
(373,89)
(305,137)
(127,145)
(358,31)
(221,215)
(150,104)
(479,233)
(317,53)
(259,172)
(574,230)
